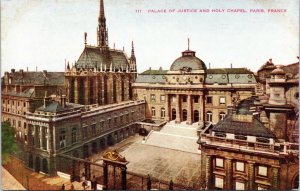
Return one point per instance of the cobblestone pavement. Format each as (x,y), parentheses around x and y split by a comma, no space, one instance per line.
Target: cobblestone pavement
(162,163)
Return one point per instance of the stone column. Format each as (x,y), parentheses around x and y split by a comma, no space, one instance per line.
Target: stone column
(228,173)
(76,90)
(41,137)
(275,182)
(87,91)
(251,175)
(189,110)
(36,139)
(68,81)
(178,112)
(167,108)
(201,101)
(208,172)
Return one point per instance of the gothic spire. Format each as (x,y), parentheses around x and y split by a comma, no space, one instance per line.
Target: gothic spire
(132,50)
(102,34)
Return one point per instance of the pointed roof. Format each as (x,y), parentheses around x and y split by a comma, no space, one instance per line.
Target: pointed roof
(254,128)
(101,10)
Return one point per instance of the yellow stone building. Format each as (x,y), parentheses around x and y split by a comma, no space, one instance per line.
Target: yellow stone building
(191,92)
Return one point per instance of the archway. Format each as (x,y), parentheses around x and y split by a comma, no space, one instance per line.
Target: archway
(94,147)
(173,114)
(184,115)
(30,161)
(45,166)
(196,116)
(37,164)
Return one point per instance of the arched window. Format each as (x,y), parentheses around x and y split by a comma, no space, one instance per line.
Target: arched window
(114,90)
(122,90)
(99,93)
(163,112)
(105,90)
(74,135)
(72,90)
(91,89)
(222,115)
(209,116)
(81,91)
(153,112)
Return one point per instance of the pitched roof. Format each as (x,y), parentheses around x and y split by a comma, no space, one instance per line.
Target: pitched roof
(154,72)
(254,128)
(29,92)
(54,106)
(92,57)
(36,78)
(229,71)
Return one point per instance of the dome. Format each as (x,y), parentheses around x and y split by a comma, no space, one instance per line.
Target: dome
(188,60)
(278,71)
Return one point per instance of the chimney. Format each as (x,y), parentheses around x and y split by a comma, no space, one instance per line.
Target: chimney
(63,101)
(230,65)
(45,72)
(270,60)
(13,70)
(27,68)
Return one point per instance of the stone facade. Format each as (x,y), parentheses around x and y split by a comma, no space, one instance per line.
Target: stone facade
(190,92)
(266,155)
(76,130)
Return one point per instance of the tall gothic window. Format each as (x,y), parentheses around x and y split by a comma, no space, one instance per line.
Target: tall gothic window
(130,89)
(72,89)
(105,90)
(81,91)
(91,89)
(114,90)
(99,93)
(122,90)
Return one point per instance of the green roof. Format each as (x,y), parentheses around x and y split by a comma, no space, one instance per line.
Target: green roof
(154,72)
(228,71)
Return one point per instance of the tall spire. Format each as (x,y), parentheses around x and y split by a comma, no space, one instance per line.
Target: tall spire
(102,35)
(132,50)
(188,43)
(101,10)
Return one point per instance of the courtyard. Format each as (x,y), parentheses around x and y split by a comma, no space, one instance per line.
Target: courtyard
(162,164)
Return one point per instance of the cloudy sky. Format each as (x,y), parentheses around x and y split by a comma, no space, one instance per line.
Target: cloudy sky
(44,33)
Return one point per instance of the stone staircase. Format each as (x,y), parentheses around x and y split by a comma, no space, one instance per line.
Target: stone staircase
(180,137)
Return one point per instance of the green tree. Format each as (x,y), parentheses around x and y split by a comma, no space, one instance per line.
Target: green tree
(8,142)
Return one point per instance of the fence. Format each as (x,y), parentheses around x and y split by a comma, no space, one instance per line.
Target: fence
(79,168)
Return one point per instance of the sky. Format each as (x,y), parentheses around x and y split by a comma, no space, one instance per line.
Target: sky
(43,34)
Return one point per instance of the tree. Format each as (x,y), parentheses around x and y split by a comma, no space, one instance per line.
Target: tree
(8,142)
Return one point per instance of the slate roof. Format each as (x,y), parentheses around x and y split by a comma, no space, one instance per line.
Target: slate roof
(154,72)
(156,78)
(92,57)
(54,106)
(230,75)
(192,62)
(292,68)
(254,128)
(30,92)
(36,78)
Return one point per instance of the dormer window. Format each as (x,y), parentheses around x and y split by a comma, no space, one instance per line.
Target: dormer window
(240,137)
(262,140)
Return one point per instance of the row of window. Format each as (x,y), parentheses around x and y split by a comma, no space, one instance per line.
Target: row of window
(18,103)
(240,167)
(239,185)
(13,111)
(209,99)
